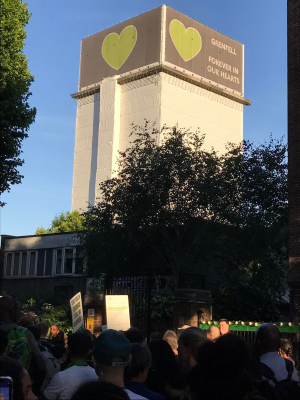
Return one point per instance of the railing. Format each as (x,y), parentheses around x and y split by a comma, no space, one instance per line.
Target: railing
(247,332)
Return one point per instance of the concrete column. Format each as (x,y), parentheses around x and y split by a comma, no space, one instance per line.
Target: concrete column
(109,131)
(85,152)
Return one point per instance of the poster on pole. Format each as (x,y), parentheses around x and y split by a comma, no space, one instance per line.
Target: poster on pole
(117,312)
(90,324)
(76,310)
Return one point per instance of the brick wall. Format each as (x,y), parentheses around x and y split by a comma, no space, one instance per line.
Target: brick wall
(294,153)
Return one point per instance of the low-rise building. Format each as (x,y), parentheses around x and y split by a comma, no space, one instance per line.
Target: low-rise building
(40,265)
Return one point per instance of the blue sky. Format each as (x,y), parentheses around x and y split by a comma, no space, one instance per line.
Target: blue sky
(53,50)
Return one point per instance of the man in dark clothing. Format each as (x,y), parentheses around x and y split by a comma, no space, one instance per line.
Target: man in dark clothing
(8,317)
(137,372)
(57,334)
(44,328)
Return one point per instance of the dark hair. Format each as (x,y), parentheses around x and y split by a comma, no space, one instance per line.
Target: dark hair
(156,335)
(89,333)
(26,321)
(134,335)
(286,346)
(79,344)
(141,360)
(224,320)
(58,350)
(223,367)
(171,338)
(100,390)
(268,338)
(55,324)
(43,327)
(165,365)
(35,331)
(13,369)
(224,358)
(192,338)
(3,341)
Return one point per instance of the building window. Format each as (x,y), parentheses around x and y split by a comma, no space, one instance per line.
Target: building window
(16,264)
(40,262)
(8,264)
(65,261)
(23,264)
(68,269)
(58,261)
(32,262)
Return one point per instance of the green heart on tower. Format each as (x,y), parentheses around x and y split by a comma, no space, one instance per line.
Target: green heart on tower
(188,41)
(117,48)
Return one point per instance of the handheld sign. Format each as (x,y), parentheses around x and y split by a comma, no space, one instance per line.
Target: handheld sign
(117,312)
(77,314)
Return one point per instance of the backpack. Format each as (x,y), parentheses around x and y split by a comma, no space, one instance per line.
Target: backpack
(52,366)
(19,347)
(287,389)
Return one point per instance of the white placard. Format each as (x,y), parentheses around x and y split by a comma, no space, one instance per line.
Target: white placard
(76,310)
(117,312)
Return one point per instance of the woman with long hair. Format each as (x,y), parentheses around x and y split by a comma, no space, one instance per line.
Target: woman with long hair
(165,376)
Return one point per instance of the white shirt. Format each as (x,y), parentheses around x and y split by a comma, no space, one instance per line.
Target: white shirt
(64,384)
(134,396)
(278,366)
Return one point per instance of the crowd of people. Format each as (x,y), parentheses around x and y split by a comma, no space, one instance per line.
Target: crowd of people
(188,365)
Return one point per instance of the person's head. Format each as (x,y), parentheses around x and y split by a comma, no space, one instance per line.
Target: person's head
(9,308)
(189,342)
(267,339)
(100,390)
(54,330)
(59,352)
(286,348)
(223,326)
(171,338)
(165,363)
(21,380)
(26,321)
(222,368)
(44,328)
(3,342)
(35,331)
(79,345)
(89,333)
(111,355)
(156,335)
(134,335)
(213,333)
(140,363)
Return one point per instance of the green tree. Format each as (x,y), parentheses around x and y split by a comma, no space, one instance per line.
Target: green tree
(175,207)
(64,222)
(16,116)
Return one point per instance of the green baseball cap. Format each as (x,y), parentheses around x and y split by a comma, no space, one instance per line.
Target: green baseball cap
(109,345)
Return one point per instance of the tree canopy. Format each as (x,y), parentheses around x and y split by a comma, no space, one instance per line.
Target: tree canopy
(175,207)
(16,115)
(63,222)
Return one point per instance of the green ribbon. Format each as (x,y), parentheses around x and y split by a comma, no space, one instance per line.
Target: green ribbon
(78,363)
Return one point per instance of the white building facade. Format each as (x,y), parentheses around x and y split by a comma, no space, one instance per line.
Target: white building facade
(162,92)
